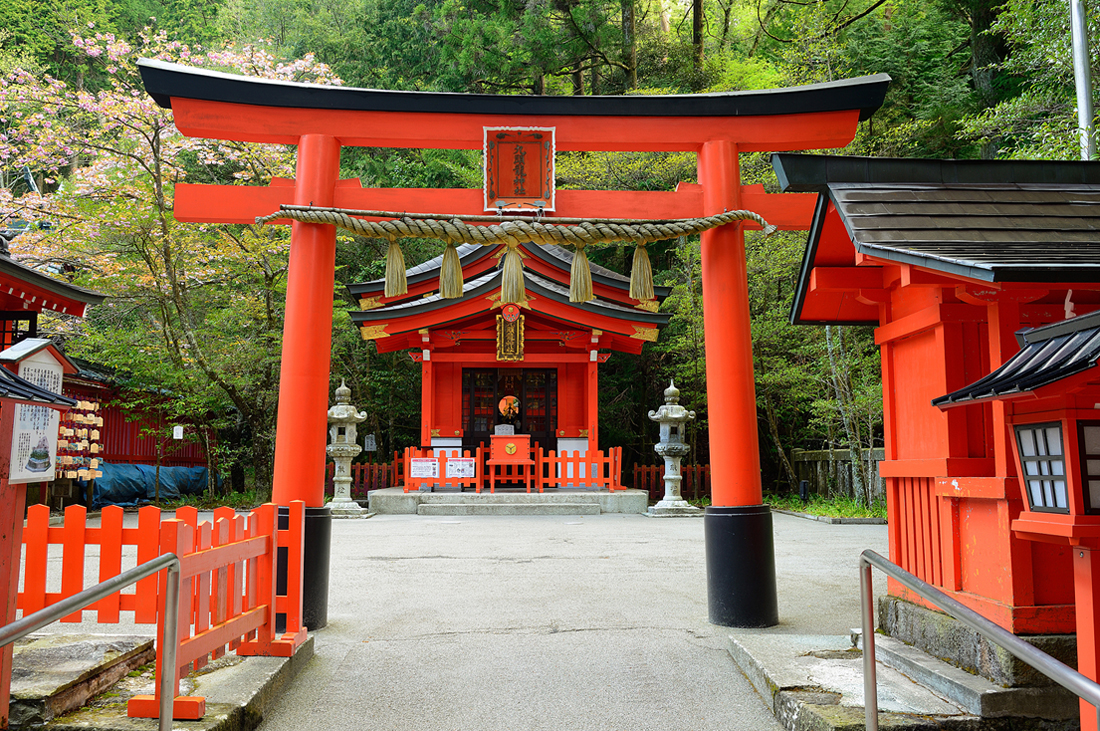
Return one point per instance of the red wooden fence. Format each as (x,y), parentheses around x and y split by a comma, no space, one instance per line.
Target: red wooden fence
(592,468)
(368,476)
(651,478)
(227,573)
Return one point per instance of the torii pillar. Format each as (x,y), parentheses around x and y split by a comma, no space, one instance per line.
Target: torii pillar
(741,593)
(740,555)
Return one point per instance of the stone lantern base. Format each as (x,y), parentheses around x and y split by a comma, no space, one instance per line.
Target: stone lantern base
(345,508)
(674,509)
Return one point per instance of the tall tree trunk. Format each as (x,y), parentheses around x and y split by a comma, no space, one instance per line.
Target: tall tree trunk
(838,374)
(697,42)
(630,45)
(773,431)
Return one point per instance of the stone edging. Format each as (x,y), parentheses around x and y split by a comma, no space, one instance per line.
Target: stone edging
(833,521)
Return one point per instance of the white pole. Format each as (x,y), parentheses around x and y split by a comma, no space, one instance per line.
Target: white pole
(1082,74)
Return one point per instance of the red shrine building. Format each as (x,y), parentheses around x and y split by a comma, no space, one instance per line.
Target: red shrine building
(477,354)
(949,261)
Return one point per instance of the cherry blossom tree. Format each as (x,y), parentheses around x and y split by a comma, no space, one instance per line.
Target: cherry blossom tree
(193,310)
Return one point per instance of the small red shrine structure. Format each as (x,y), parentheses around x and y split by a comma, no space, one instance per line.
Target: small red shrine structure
(24,294)
(1050,391)
(948,260)
(475,352)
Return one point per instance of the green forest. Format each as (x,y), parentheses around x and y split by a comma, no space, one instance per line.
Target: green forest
(88,164)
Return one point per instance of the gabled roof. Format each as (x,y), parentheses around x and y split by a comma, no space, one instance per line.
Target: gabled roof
(490,281)
(14,387)
(471,254)
(48,292)
(29,346)
(1047,354)
(992,221)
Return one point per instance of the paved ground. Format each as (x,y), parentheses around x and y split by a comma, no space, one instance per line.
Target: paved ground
(563,623)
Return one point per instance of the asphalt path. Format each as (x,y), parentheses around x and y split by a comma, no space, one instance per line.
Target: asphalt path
(564,623)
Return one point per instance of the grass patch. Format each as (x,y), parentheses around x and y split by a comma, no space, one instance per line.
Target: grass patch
(237,500)
(833,507)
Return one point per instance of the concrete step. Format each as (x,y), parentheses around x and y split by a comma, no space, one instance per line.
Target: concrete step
(508,498)
(53,674)
(395,501)
(973,693)
(509,508)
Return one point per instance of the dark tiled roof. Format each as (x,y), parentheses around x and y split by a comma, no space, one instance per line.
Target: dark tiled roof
(491,280)
(14,387)
(467,253)
(1047,354)
(1012,221)
(55,286)
(166,80)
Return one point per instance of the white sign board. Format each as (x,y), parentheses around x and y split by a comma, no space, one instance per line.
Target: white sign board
(34,433)
(423,468)
(462,467)
(369,443)
(177,432)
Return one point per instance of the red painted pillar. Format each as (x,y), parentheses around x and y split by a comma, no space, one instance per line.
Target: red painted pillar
(307,333)
(731,389)
(1086,583)
(740,548)
(304,372)
(13,499)
(593,405)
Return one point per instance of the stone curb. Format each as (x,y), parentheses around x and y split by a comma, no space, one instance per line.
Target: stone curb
(831,520)
(236,698)
(816,709)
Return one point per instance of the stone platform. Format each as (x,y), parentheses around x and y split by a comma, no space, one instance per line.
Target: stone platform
(555,501)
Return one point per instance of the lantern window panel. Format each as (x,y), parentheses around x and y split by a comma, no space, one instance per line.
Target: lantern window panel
(1042,457)
(1088,433)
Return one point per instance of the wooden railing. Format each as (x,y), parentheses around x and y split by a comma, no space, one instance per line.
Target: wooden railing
(227,597)
(592,469)
(695,485)
(368,476)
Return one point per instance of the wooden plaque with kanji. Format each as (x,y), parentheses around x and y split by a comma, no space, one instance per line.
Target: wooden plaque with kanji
(519,168)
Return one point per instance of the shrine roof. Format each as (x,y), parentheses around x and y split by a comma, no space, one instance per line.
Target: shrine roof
(557,256)
(14,387)
(166,80)
(486,283)
(1047,354)
(991,221)
(48,285)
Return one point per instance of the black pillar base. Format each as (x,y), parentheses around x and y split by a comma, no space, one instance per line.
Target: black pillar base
(741,566)
(318,546)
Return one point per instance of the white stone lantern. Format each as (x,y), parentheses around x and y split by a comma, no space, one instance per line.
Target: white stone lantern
(673,418)
(342,419)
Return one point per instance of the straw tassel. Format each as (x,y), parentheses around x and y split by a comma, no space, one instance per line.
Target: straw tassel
(450,274)
(512,290)
(641,275)
(580,276)
(395,271)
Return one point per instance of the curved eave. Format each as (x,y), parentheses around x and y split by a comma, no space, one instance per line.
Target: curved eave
(376,286)
(490,283)
(74,299)
(597,277)
(163,81)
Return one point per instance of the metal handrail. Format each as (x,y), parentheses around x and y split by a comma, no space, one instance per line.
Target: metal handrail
(1085,688)
(77,602)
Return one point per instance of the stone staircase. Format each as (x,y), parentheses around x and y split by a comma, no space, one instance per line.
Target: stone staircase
(508,502)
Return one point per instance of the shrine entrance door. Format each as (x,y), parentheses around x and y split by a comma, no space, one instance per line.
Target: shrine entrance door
(483,389)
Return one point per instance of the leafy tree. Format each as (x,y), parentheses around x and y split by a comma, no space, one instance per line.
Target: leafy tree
(194,310)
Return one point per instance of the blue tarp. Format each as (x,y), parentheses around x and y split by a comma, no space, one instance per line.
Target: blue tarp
(134,484)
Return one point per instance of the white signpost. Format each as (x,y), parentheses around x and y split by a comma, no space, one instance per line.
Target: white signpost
(34,436)
(462,467)
(423,468)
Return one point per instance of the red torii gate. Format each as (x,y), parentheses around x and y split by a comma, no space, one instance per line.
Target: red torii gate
(322,119)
